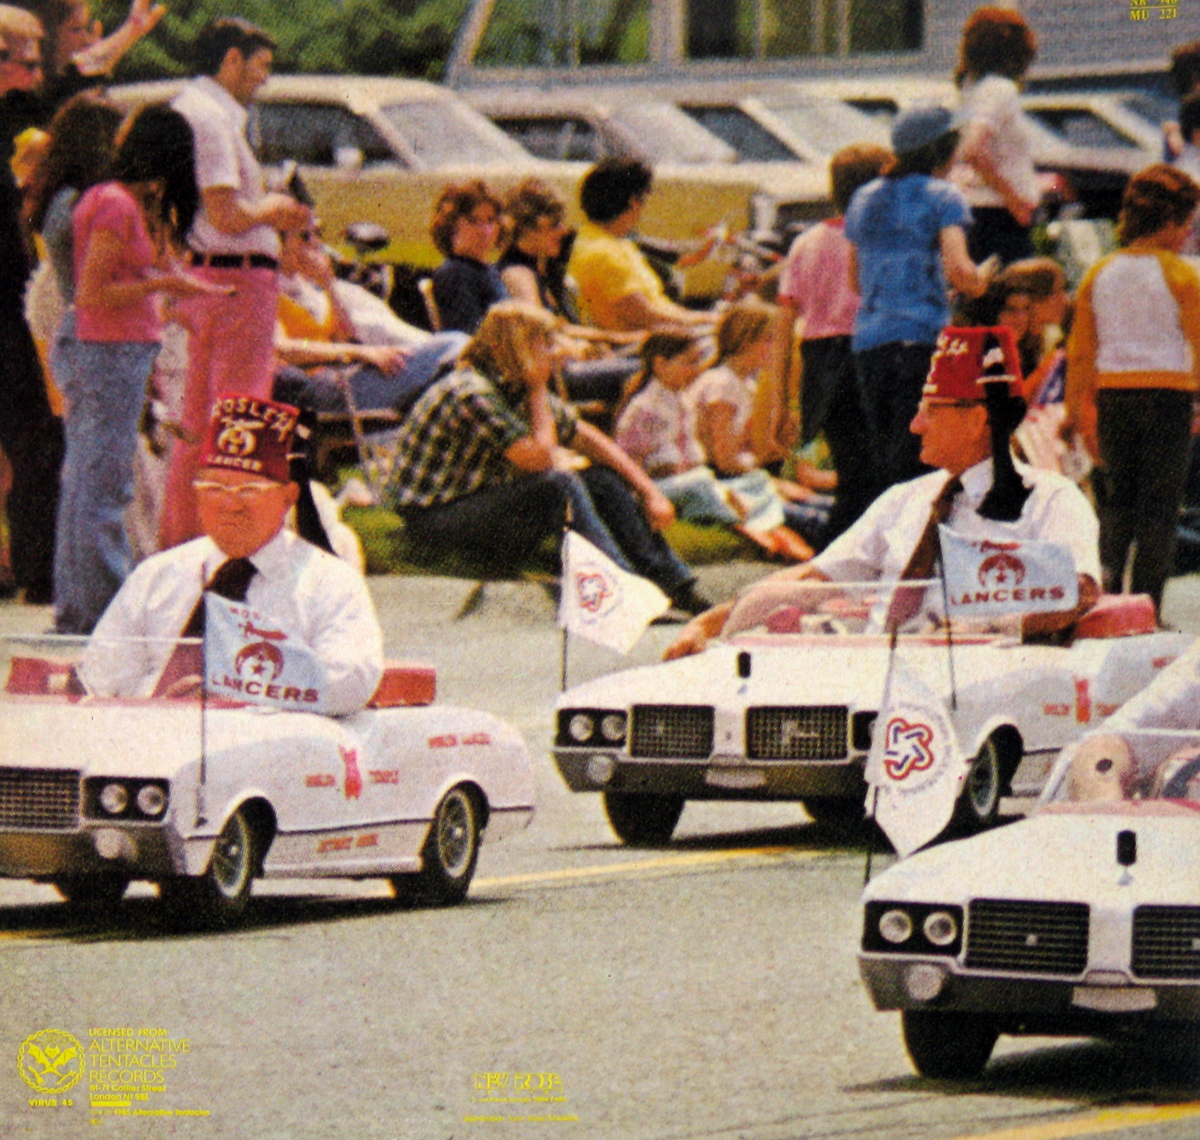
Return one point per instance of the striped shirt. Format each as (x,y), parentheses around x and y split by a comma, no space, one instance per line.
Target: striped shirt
(453,440)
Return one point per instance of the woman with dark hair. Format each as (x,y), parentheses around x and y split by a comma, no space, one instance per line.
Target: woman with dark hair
(466,228)
(994,163)
(78,155)
(1132,361)
(125,232)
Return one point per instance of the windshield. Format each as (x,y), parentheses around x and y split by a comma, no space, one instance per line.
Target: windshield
(829,125)
(835,609)
(672,136)
(1120,769)
(441,133)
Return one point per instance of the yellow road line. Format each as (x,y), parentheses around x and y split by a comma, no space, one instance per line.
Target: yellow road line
(641,866)
(1094,1123)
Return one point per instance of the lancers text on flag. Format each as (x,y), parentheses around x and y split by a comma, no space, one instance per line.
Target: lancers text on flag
(985,578)
(249,657)
(602,602)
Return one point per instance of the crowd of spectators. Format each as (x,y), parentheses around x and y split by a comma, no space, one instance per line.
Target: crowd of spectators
(164,216)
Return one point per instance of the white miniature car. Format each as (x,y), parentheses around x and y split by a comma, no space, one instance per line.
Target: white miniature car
(1083,919)
(205,796)
(783,708)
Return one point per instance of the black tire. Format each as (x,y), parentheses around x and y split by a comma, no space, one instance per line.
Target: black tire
(95,894)
(450,853)
(948,1046)
(643,820)
(838,813)
(220,895)
(978,804)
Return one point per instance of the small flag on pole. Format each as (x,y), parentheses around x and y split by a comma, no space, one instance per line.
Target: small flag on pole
(985,578)
(248,657)
(915,762)
(602,602)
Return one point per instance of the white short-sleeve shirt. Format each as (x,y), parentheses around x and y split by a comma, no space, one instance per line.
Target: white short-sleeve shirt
(223,159)
(994,102)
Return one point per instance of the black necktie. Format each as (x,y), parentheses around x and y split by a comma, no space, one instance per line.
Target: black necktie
(924,555)
(231,581)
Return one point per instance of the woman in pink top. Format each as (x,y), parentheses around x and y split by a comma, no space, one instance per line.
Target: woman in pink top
(123,233)
(815,285)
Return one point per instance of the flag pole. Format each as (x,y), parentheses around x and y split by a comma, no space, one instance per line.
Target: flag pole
(883,704)
(200,804)
(949,632)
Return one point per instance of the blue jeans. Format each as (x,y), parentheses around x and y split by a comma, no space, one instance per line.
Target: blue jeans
(105,386)
(500,525)
(372,389)
(890,379)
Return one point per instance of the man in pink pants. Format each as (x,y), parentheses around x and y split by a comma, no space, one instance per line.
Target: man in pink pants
(234,242)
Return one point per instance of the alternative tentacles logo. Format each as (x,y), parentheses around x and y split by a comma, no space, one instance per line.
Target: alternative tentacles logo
(50,1061)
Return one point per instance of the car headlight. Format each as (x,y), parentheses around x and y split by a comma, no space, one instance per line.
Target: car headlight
(940,928)
(612,727)
(895,926)
(114,798)
(580,727)
(151,800)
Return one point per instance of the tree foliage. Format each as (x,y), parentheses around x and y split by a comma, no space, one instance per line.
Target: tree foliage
(355,37)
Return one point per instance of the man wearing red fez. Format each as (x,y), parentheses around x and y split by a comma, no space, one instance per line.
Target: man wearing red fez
(969,407)
(243,493)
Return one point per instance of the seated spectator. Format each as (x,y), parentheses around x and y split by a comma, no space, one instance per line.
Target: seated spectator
(657,429)
(466,226)
(533,269)
(617,287)
(739,417)
(815,287)
(317,332)
(483,464)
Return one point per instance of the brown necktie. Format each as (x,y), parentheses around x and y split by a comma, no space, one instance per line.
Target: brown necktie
(231,581)
(920,564)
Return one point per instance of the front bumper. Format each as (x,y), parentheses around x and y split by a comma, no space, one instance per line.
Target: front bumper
(1051,1006)
(140,851)
(717,778)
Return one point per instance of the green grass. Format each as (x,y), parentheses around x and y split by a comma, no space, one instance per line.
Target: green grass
(388,550)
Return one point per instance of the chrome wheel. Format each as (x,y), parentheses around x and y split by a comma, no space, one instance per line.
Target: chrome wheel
(450,852)
(232,866)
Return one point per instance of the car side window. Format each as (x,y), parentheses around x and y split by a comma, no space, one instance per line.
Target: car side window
(313,133)
(1080,127)
(560,138)
(752,141)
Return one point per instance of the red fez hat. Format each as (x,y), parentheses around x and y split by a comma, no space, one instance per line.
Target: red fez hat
(251,435)
(968,359)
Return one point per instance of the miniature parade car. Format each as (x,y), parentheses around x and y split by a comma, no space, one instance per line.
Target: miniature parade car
(1083,919)
(205,795)
(783,707)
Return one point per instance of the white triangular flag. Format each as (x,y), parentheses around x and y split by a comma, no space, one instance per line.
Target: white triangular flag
(915,762)
(602,602)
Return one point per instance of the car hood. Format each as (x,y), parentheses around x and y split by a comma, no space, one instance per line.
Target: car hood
(147,738)
(1059,856)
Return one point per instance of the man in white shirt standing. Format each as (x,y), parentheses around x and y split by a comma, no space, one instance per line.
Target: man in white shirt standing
(234,242)
(247,555)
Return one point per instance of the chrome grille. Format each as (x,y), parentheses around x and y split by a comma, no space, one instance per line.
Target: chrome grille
(1166,941)
(1029,937)
(666,732)
(38,798)
(806,732)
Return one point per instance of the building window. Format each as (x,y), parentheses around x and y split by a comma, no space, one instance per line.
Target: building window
(565,33)
(782,29)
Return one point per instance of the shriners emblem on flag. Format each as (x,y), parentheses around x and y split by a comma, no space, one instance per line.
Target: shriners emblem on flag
(257,658)
(907,748)
(1000,566)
